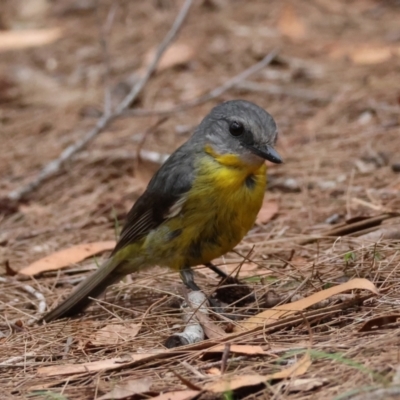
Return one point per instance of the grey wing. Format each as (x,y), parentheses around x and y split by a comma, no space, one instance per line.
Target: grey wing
(163,196)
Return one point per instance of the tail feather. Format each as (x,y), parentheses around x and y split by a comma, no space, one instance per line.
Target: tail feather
(93,286)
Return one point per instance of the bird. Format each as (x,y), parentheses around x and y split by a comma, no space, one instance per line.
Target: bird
(198,206)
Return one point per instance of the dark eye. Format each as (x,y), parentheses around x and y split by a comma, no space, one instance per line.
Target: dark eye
(236,128)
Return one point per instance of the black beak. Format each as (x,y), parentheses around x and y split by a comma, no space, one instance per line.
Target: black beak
(267,152)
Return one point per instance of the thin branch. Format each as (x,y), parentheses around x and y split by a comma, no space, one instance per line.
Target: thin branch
(104,33)
(54,166)
(192,369)
(224,358)
(16,359)
(129,99)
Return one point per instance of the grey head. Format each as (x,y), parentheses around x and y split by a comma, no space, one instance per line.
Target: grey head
(240,127)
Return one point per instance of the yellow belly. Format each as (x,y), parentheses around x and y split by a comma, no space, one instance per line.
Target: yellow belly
(220,209)
(217,212)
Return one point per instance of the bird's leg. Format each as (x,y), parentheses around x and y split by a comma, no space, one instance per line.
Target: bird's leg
(188,279)
(215,269)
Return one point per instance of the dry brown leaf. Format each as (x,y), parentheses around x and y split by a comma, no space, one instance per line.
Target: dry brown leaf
(177,395)
(364,53)
(268,210)
(298,262)
(305,385)
(213,371)
(21,39)
(127,389)
(298,369)
(114,334)
(240,349)
(65,257)
(368,55)
(35,209)
(272,315)
(290,24)
(379,322)
(246,269)
(246,266)
(100,365)
(211,330)
(177,54)
(237,382)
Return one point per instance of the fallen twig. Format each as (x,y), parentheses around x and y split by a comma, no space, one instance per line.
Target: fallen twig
(193,332)
(218,363)
(352,229)
(186,381)
(54,166)
(104,32)
(193,370)
(224,358)
(13,360)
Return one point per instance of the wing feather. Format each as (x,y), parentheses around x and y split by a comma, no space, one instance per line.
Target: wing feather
(163,198)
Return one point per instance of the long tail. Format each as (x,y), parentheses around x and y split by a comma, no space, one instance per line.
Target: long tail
(93,286)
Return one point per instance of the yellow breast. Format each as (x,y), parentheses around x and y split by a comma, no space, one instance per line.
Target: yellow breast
(222,206)
(216,213)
